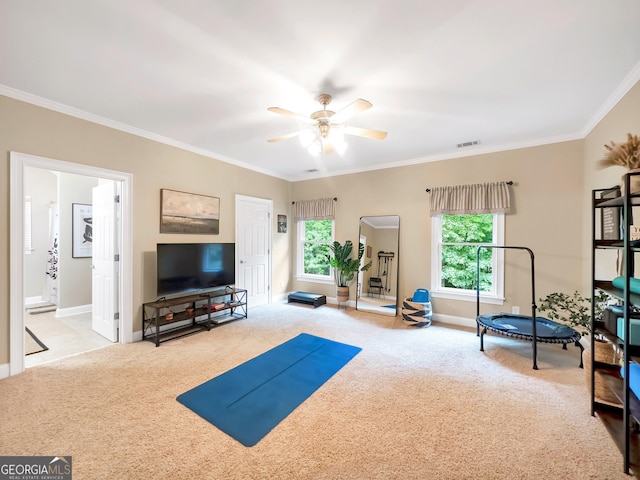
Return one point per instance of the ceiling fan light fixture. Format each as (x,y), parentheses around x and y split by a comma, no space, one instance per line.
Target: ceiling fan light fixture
(315,148)
(324,127)
(327,134)
(336,137)
(306,138)
(336,134)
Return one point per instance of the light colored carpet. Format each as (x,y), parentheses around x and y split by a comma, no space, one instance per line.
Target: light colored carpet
(413,404)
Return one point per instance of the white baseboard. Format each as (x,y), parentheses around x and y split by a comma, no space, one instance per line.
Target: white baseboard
(279,298)
(34,301)
(334,301)
(452,320)
(69,311)
(4,370)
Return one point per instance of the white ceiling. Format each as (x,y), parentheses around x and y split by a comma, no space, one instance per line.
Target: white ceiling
(200,74)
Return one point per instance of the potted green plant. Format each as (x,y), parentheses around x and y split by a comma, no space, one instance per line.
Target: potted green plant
(575,310)
(345,266)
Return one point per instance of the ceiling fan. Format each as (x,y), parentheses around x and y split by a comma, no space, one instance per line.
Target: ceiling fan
(326,132)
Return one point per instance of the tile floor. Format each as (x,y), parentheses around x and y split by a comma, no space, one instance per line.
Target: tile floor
(64,336)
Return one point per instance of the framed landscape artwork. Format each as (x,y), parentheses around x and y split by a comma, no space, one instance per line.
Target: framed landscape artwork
(182,212)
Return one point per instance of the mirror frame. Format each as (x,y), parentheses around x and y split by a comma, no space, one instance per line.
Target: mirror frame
(361,304)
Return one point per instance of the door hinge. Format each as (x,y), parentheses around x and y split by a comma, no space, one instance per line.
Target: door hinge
(116,257)
(116,316)
(116,199)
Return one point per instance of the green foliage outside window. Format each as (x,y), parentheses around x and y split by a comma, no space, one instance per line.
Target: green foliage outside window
(317,238)
(459,262)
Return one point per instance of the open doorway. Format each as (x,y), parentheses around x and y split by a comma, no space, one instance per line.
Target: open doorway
(122,300)
(62,214)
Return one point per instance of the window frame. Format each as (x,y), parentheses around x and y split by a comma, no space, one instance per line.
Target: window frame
(300,240)
(496,295)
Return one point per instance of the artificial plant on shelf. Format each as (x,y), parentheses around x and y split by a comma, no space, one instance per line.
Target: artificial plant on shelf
(622,154)
(345,266)
(625,155)
(575,310)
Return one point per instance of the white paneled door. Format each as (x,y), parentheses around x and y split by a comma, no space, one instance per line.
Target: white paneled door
(253,248)
(104,264)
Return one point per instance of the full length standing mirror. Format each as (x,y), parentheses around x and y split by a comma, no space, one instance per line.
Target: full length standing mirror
(378,286)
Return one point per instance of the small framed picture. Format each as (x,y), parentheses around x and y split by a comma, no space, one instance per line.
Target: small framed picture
(82,230)
(282,224)
(610,217)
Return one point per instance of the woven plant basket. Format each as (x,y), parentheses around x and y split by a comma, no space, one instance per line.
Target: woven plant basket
(416,314)
(604,353)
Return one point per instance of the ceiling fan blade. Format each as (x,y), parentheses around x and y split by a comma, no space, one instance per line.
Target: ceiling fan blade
(284,137)
(350,110)
(288,113)
(365,132)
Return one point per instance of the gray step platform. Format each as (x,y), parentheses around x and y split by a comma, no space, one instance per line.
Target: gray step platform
(307,298)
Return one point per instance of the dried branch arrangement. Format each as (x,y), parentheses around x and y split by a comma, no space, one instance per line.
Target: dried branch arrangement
(625,154)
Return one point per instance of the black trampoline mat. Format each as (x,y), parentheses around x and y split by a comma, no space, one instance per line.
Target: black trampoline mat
(522,325)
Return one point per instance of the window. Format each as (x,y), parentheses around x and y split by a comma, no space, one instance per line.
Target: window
(314,238)
(455,241)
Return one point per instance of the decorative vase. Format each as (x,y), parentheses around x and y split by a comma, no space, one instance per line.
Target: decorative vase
(343,294)
(634,181)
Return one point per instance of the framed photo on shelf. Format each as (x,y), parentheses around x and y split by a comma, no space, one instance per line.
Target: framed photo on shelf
(610,217)
(82,230)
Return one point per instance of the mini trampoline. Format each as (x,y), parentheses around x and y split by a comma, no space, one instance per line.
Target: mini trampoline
(521,326)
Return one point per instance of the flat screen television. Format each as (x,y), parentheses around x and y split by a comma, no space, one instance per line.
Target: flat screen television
(192,267)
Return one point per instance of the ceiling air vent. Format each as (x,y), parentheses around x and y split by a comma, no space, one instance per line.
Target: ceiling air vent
(468,144)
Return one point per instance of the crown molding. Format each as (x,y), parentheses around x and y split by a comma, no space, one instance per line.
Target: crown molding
(627,84)
(105,122)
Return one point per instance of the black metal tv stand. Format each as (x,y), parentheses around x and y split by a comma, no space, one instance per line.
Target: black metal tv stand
(168,319)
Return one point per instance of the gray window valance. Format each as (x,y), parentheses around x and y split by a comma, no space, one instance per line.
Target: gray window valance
(471,199)
(319,209)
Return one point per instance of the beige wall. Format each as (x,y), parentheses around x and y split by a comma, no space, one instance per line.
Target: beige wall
(33,130)
(622,119)
(551,198)
(546,216)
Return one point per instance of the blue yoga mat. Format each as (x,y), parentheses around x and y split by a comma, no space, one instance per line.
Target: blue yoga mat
(248,401)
